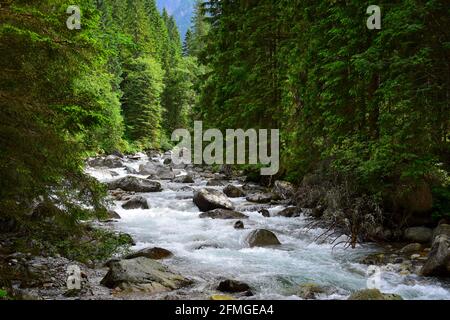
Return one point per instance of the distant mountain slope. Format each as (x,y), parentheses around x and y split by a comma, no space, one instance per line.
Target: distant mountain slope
(182,10)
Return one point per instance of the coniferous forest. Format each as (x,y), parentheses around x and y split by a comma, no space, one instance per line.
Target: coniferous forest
(87,114)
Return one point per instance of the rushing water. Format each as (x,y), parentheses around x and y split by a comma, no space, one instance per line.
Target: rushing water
(209,250)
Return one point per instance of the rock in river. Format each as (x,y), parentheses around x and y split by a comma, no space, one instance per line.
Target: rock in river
(151,253)
(233,286)
(373,294)
(142,274)
(239,225)
(285,190)
(262,238)
(290,212)
(133,184)
(210,199)
(223,214)
(136,203)
(260,197)
(233,191)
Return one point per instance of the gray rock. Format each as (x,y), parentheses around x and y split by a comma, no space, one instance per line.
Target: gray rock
(137,202)
(262,238)
(260,197)
(289,212)
(151,253)
(285,190)
(133,184)
(442,229)
(163,173)
(113,215)
(184,179)
(215,183)
(233,191)
(223,214)
(113,162)
(438,262)
(410,248)
(148,169)
(142,274)
(418,234)
(210,199)
(131,170)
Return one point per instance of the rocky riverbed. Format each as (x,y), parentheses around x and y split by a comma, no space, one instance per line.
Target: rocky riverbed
(201,234)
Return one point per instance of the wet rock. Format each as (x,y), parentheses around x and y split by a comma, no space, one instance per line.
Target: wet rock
(290,212)
(438,263)
(233,191)
(223,214)
(265,213)
(148,169)
(410,248)
(418,234)
(232,286)
(184,179)
(151,253)
(163,173)
(167,161)
(260,197)
(210,199)
(131,170)
(285,190)
(215,183)
(262,238)
(373,294)
(375,259)
(133,184)
(310,291)
(253,188)
(136,203)
(142,274)
(239,225)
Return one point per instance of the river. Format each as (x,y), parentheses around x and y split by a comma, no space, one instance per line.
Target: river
(208,250)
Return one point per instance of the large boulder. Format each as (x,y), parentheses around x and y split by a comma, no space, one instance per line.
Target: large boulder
(233,191)
(223,214)
(419,234)
(285,190)
(262,238)
(260,197)
(289,212)
(142,274)
(133,184)
(151,253)
(373,294)
(210,199)
(137,202)
(438,263)
(233,286)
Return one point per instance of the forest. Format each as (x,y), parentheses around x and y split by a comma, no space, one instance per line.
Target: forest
(364,115)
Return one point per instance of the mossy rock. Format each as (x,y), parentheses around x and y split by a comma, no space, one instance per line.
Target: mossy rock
(221,297)
(310,291)
(373,294)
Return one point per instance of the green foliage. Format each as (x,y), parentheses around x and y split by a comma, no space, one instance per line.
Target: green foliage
(372,105)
